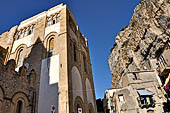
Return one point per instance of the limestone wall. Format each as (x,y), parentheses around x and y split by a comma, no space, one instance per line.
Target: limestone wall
(144,38)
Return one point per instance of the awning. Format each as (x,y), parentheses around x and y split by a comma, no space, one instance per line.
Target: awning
(144,92)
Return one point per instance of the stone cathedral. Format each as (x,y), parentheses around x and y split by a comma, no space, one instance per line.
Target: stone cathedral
(45,66)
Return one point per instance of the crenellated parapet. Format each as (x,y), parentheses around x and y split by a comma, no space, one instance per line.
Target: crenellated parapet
(17,85)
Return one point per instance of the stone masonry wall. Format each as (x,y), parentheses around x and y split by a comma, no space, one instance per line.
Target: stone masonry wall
(16,86)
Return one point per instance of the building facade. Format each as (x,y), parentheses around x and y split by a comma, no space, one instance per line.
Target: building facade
(140,92)
(143,91)
(51,63)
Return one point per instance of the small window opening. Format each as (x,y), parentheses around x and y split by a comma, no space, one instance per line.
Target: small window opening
(85,66)
(163,61)
(19,57)
(54,21)
(58,19)
(121,98)
(75,53)
(29,32)
(19,107)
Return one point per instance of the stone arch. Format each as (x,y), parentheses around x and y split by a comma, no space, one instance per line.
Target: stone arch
(52,35)
(90,108)
(20,97)
(18,47)
(17,55)
(22,46)
(89,92)
(1,99)
(78,104)
(77,86)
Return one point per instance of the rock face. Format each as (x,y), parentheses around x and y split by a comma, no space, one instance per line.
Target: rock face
(144,38)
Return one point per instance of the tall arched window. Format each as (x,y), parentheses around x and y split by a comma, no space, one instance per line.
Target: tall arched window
(19,57)
(75,52)
(51,47)
(85,65)
(19,107)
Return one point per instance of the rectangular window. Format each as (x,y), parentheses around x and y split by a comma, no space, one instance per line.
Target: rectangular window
(121,98)
(54,21)
(163,60)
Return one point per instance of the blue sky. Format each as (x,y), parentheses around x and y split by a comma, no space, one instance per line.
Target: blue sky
(99,21)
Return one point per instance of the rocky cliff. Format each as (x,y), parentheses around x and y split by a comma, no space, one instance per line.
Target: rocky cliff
(144,38)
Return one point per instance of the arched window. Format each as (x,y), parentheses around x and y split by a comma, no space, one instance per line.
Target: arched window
(22,34)
(75,52)
(51,47)
(85,65)
(29,31)
(17,36)
(19,107)
(19,57)
(58,18)
(54,20)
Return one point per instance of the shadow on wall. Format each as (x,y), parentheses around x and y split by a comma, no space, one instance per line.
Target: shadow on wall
(37,61)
